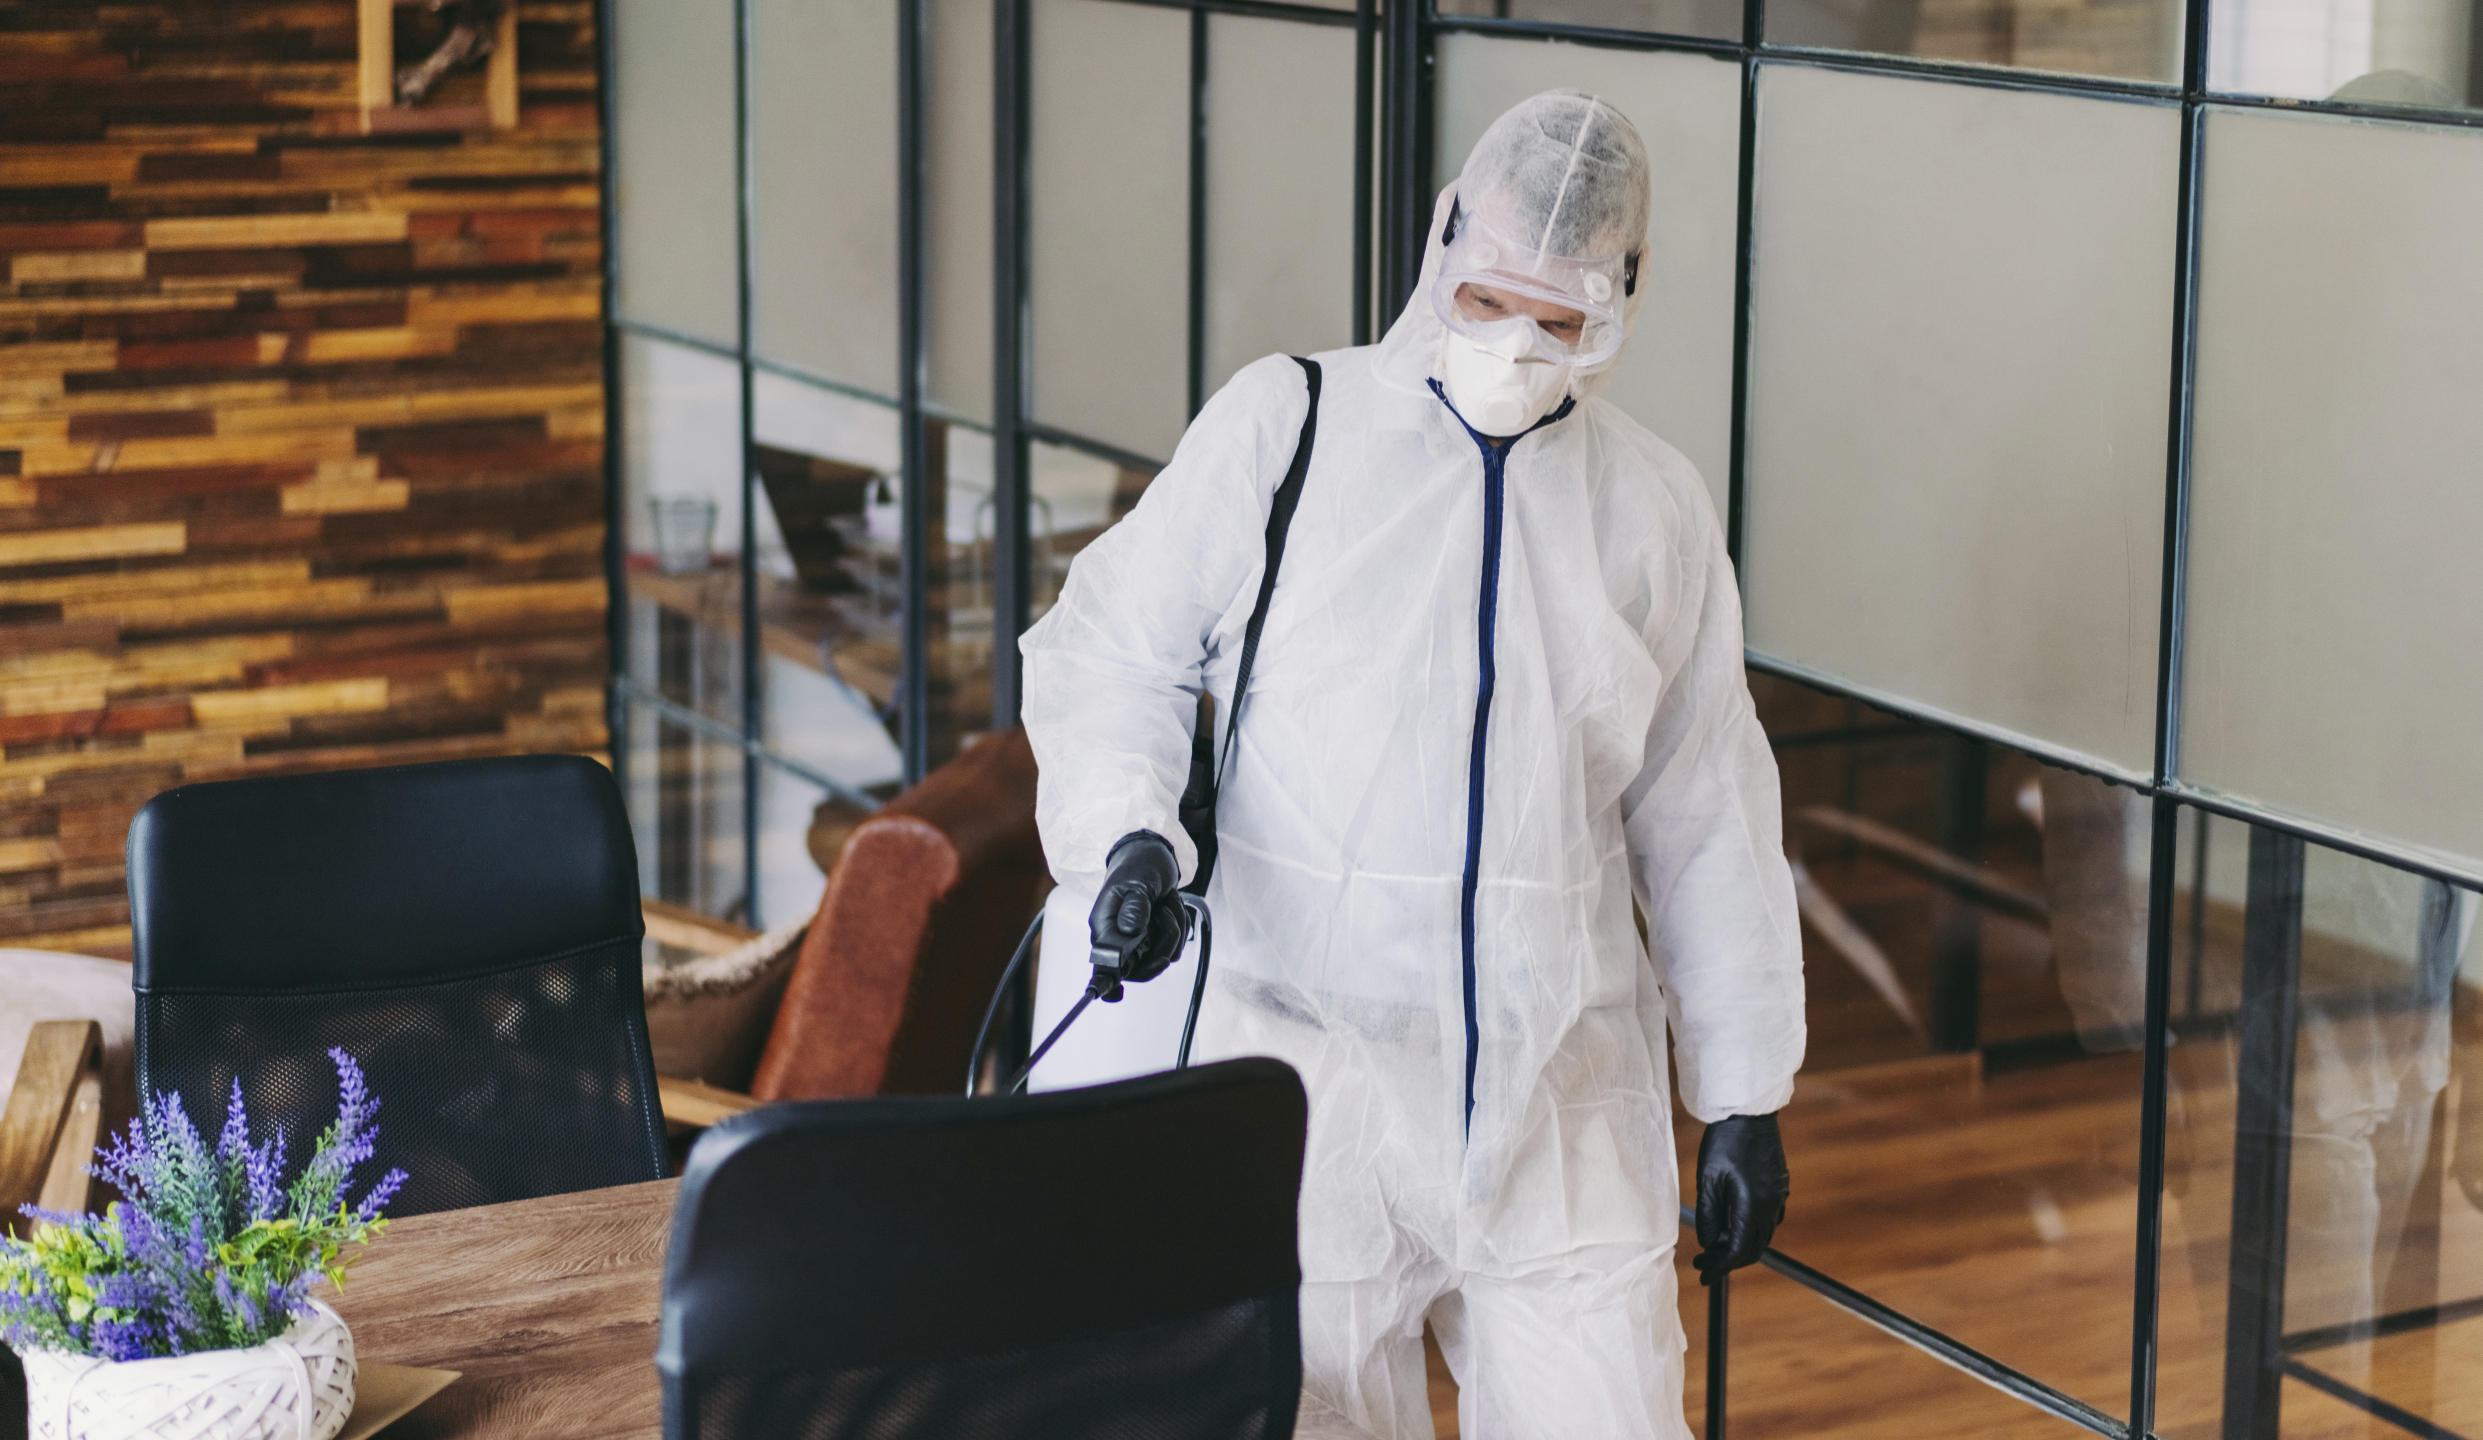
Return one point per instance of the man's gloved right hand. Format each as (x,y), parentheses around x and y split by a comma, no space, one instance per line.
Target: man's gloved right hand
(1138,922)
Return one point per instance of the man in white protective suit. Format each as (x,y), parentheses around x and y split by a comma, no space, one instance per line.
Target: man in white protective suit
(1498,697)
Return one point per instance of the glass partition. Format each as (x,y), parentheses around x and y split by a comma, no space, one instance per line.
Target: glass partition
(1280,192)
(681,522)
(1974,954)
(2122,39)
(1958,390)
(823,244)
(672,143)
(1108,246)
(2324,1233)
(2379,52)
(957,207)
(1077,496)
(1711,19)
(686,799)
(2334,510)
(798,822)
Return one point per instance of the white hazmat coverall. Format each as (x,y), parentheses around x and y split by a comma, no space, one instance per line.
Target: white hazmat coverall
(1436,932)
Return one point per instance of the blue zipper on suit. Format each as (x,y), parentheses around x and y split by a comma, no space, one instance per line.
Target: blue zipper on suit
(1487,619)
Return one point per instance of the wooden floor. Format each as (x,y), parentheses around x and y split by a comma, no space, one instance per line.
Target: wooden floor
(1997,1200)
(2001,1210)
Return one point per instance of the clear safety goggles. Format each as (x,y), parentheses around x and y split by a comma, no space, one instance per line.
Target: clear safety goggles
(1492,271)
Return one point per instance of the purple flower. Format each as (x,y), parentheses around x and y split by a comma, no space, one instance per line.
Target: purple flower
(238,1301)
(236,1137)
(124,1340)
(379,1196)
(263,1168)
(190,1260)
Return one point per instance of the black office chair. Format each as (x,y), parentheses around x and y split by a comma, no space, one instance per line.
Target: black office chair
(1115,1263)
(469,932)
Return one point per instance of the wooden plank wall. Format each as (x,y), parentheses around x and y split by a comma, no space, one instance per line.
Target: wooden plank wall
(300,429)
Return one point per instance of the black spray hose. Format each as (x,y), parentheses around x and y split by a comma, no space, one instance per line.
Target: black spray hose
(1097,986)
(1198,986)
(982,1037)
(1100,985)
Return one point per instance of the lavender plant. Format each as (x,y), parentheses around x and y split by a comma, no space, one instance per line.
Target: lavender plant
(210,1248)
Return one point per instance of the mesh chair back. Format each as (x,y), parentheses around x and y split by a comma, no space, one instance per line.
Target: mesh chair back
(1110,1262)
(469,932)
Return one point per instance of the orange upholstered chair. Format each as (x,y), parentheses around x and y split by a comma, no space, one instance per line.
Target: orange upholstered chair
(919,919)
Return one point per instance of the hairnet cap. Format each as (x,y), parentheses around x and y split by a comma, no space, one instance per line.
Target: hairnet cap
(1562,173)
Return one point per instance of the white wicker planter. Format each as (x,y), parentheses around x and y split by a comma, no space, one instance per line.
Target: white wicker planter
(298,1386)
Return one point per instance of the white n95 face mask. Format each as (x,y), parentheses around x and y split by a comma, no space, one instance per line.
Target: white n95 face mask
(1497,394)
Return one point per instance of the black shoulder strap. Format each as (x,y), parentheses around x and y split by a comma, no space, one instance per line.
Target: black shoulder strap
(1279,520)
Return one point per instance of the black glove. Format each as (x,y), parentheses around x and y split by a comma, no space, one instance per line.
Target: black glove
(1742,1184)
(1138,922)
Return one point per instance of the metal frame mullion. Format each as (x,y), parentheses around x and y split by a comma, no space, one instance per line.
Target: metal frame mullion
(2146,1294)
(753,703)
(914,438)
(2146,1283)
(1745,256)
(2263,1137)
(1600,36)
(1012,462)
(1071,440)
(1366,45)
(1195,334)
(615,497)
(1405,100)
(1962,72)
(1253,10)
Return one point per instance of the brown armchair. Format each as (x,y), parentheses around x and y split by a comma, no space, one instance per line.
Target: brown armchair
(920,917)
(923,908)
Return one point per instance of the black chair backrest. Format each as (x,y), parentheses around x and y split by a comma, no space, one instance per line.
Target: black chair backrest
(1111,1262)
(469,932)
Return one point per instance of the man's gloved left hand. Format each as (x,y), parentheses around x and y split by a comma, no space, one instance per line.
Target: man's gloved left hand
(1742,1185)
(1138,922)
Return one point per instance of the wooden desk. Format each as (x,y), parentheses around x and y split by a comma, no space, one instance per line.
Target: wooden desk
(549,1307)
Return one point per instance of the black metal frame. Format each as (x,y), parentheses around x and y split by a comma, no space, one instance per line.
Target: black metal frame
(1393,170)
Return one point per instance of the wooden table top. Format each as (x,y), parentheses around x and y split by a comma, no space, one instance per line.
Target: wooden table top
(549,1308)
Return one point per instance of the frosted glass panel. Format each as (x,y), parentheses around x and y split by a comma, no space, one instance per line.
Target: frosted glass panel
(672,137)
(823,248)
(1676,377)
(957,212)
(1109,238)
(1280,191)
(2379,52)
(1960,342)
(2335,605)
